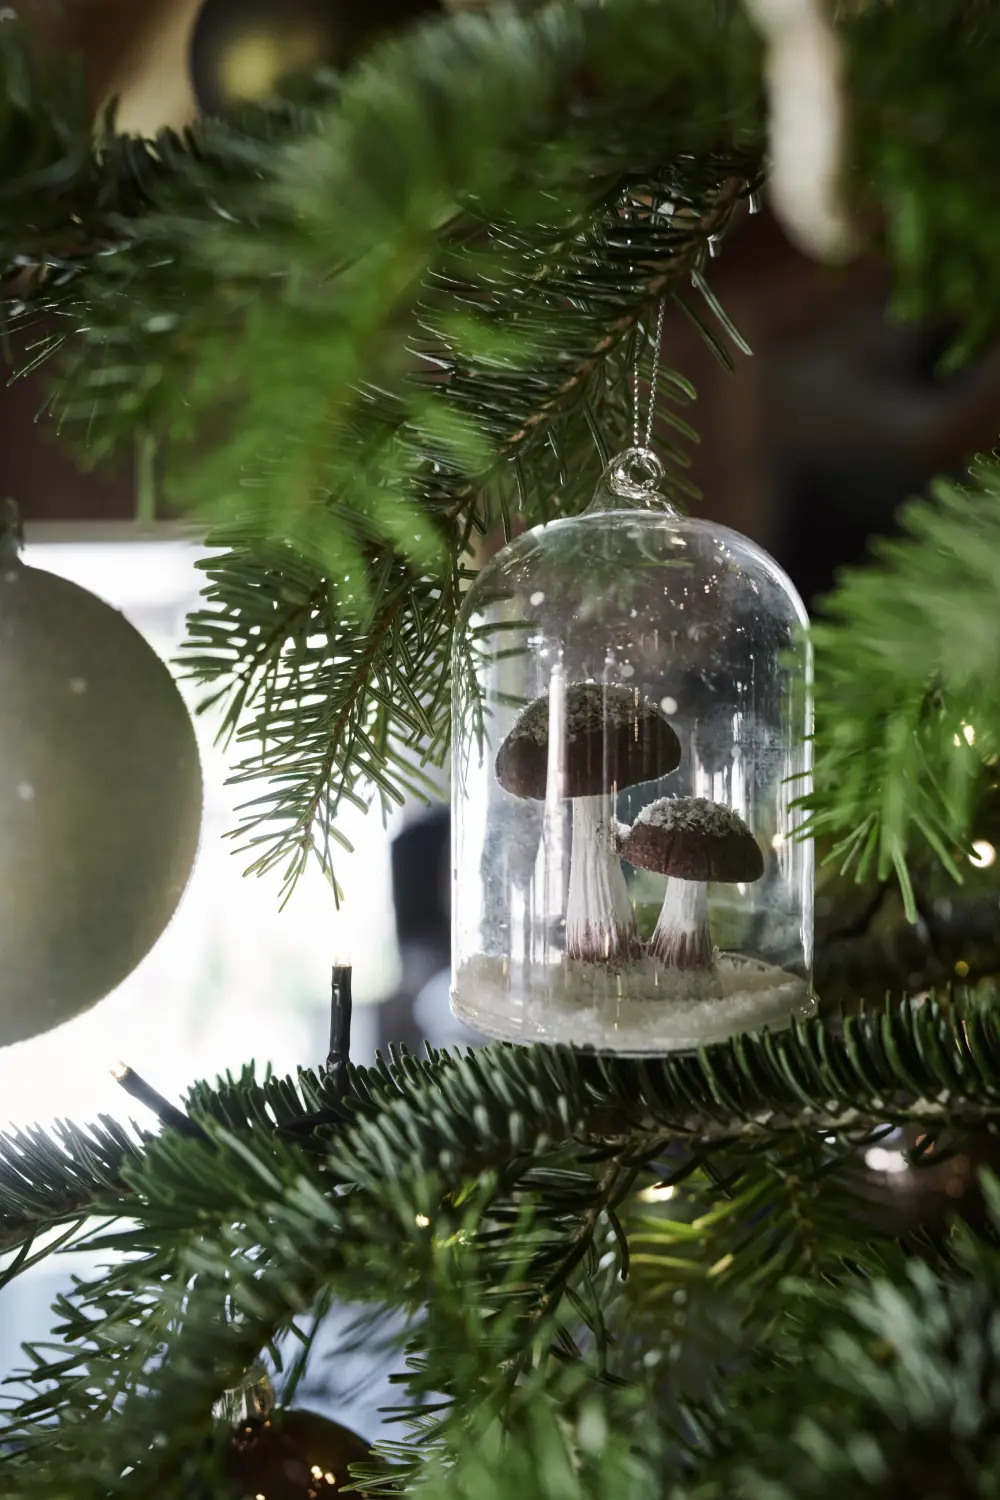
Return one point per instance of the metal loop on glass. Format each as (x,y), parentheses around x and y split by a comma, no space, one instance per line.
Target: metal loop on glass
(634,480)
(636,473)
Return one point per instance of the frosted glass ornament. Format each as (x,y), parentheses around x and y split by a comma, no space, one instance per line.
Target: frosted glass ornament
(100,798)
(632,715)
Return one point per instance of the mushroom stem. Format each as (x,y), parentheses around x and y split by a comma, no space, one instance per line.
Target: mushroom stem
(600,922)
(683,939)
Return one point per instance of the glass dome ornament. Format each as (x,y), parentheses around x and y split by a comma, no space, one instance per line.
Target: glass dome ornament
(632,715)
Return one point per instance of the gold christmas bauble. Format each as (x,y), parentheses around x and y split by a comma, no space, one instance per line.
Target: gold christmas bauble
(100,799)
(243,49)
(293,1455)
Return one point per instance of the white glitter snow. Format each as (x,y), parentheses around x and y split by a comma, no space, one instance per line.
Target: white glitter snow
(588,706)
(692,815)
(639,1010)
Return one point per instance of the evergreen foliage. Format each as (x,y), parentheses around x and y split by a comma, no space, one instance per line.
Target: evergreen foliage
(369,324)
(924,645)
(373,323)
(489,1198)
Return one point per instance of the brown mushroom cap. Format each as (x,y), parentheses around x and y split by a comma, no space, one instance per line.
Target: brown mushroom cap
(691,838)
(614,738)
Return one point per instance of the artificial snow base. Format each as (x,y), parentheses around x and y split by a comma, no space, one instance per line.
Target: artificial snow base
(664,1010)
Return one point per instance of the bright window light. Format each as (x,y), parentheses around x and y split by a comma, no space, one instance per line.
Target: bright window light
(234,977)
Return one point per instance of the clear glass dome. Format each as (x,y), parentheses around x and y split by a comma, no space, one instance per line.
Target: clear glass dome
(631,721)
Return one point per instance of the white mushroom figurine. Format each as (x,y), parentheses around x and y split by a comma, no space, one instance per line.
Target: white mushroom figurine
(611,737)
(691,841)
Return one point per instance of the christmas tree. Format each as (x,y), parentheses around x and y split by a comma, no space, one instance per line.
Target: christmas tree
(370,322)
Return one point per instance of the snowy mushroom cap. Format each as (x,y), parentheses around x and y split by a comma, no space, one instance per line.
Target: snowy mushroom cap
(612,737)
(691,838)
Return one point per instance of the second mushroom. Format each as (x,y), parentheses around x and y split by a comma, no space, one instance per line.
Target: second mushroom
(611,737)
(692,842)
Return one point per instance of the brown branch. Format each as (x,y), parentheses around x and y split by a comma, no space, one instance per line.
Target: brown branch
(657,284)
(607,1189)
(381,626)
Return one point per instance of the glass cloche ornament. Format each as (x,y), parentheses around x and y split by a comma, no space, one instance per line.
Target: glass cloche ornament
(631,728)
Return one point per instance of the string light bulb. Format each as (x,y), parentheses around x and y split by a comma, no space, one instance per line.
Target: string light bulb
(983,854)
(659,1193)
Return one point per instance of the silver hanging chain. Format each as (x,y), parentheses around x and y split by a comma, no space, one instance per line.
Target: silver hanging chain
(658,339)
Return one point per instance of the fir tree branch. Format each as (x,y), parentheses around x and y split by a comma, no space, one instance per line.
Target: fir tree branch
(260,237)
(505,273)
(887,1386)
(923,143)
(231,1242)
(49,1180)
(497,307)
(922,1063)
(906,681)
(72,194)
